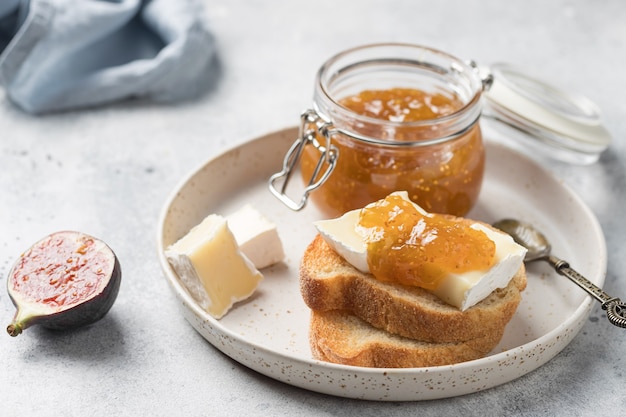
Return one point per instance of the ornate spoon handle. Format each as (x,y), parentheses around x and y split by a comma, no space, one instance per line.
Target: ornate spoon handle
(615,308)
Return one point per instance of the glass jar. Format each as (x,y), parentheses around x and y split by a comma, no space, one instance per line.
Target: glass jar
(349,159)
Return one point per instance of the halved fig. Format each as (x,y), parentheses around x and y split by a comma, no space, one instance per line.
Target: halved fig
(66,280)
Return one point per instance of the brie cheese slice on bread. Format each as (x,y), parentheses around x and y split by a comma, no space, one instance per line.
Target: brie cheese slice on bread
(462,290)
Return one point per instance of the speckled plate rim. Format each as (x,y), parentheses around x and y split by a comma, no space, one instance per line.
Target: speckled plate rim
(382,384)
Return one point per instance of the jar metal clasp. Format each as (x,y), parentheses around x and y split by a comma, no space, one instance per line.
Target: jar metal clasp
(312,127)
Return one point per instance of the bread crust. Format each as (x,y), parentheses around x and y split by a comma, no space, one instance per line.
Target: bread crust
(328,282)
(340,337)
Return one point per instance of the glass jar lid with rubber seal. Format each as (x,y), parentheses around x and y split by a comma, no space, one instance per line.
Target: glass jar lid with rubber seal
(538,118)
(402,117)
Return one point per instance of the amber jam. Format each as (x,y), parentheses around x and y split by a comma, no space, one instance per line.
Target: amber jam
(441,177)
(402,105)
(409,248)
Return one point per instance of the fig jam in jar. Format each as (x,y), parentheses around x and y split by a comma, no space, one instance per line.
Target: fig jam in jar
(390,117)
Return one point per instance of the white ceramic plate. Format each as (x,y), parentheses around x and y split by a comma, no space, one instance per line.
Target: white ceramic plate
(269,332)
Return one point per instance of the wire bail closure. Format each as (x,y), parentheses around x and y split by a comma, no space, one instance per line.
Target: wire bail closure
(311,127)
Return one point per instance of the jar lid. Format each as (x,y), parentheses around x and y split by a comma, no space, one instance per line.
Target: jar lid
(560,124)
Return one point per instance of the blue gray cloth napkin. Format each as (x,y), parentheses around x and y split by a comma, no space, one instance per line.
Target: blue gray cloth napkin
(66,54)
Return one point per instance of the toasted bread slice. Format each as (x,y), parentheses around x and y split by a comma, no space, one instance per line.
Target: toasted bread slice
(328,282)
(340,337)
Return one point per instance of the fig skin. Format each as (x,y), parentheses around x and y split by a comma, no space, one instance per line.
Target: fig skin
(86,312)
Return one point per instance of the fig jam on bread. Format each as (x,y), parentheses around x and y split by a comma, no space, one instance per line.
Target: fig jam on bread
(398,324)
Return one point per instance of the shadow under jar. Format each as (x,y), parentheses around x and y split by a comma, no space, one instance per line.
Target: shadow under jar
(392,117)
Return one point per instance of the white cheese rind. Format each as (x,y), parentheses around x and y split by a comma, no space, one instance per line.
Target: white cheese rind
(460,290)
(467,289)
(256,236)
(341,235)
(210,264)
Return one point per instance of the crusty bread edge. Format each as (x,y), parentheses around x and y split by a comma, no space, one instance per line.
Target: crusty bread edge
(330,341)
(373,301)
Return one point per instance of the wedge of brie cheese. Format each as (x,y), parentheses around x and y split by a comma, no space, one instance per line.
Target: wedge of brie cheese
(461,290)
(256,236)
(213,268)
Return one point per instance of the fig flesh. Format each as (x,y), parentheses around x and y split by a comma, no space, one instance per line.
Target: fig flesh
(66,280)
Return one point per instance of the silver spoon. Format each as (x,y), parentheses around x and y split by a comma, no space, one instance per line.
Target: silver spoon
(539,250)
